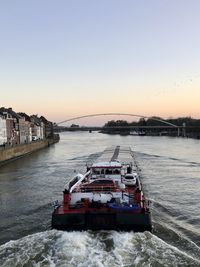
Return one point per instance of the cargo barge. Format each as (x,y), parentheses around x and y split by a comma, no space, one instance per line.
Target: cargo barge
(108,196)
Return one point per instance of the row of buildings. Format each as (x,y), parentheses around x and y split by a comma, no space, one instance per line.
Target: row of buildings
(20,128)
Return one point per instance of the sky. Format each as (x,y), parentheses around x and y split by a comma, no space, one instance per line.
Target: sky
(63,59)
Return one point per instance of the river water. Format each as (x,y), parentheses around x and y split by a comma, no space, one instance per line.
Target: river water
(170,173)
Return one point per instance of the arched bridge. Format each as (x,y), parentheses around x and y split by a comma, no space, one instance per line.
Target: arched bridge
(167,125)
(120,114)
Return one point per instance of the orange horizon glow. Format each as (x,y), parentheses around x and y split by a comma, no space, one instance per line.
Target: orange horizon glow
(137,57)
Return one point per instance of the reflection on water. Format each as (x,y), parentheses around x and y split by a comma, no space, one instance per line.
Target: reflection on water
(170,175)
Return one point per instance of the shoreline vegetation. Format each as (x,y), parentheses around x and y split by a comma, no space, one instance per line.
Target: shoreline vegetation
(184,127)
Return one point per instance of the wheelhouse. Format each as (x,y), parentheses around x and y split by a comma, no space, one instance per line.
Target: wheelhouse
(106,170)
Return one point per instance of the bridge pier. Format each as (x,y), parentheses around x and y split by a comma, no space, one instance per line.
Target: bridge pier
(178,134)
(184,130)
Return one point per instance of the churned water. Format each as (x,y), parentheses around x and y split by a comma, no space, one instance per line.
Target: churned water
(170,173)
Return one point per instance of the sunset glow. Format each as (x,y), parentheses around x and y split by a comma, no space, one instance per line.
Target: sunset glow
(71,58)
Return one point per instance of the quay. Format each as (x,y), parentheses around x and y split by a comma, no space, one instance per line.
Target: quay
(10,153)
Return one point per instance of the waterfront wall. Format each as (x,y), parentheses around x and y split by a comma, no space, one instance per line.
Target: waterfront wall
(10,153)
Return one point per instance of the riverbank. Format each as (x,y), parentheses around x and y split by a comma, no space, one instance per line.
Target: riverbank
(193,135)
(11,153)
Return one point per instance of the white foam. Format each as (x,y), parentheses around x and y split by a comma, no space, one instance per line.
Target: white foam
(85,249)
(145,249)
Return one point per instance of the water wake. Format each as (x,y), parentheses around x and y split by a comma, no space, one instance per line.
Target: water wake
(56,248)
(179,160)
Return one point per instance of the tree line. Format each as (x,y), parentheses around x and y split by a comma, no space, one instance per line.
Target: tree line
(190,127)
(188,121)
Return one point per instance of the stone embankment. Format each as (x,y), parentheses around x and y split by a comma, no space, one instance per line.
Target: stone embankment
(9,153)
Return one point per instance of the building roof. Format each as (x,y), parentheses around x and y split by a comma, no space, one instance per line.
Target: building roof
(36,120)
(10,112)
(24,115)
